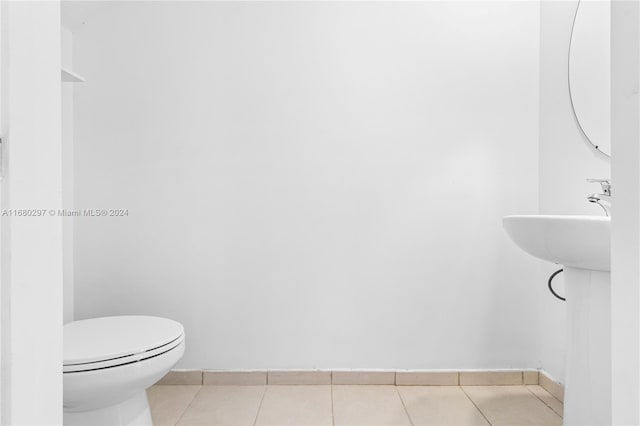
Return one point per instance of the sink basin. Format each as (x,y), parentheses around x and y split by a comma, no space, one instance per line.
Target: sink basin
(582,242)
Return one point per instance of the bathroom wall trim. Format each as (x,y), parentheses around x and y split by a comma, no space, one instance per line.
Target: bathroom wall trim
(551,385)
(367,377)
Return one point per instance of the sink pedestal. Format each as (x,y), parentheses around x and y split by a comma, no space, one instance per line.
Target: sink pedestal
(588,357)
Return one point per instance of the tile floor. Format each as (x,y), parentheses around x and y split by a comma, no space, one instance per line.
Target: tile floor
(299,405)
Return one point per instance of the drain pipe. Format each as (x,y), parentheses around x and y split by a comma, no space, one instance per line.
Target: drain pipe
(551,286)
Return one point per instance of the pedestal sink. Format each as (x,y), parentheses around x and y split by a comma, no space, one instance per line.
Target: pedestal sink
(582,245)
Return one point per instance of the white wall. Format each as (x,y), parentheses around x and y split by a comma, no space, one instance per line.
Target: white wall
(31,246)
(312,185)
(625,232)
(565,163)
(67,177)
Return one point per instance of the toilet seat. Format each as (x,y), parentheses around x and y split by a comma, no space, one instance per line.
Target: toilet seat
(108,342)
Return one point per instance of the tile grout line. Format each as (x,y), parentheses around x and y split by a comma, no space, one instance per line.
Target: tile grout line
(475,405)
(333,416)
(543,401)
(264,392)
(552,395)
(189,405)
(404,405)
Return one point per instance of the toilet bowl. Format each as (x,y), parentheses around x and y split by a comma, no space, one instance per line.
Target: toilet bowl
(108,364)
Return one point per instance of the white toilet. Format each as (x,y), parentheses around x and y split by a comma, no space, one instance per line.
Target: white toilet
(109,362)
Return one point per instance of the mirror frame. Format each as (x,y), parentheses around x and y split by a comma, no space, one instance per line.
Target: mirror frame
(586,137)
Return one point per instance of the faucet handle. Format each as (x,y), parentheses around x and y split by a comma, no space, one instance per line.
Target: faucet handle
(604,183)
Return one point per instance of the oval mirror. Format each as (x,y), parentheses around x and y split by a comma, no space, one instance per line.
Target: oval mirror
(590,73)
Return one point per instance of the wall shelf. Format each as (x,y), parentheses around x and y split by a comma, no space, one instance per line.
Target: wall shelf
(70,77)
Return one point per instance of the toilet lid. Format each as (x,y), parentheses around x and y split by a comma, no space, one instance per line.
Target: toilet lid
(110,341)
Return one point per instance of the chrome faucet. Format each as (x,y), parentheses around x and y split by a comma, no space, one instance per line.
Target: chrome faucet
(598,198)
